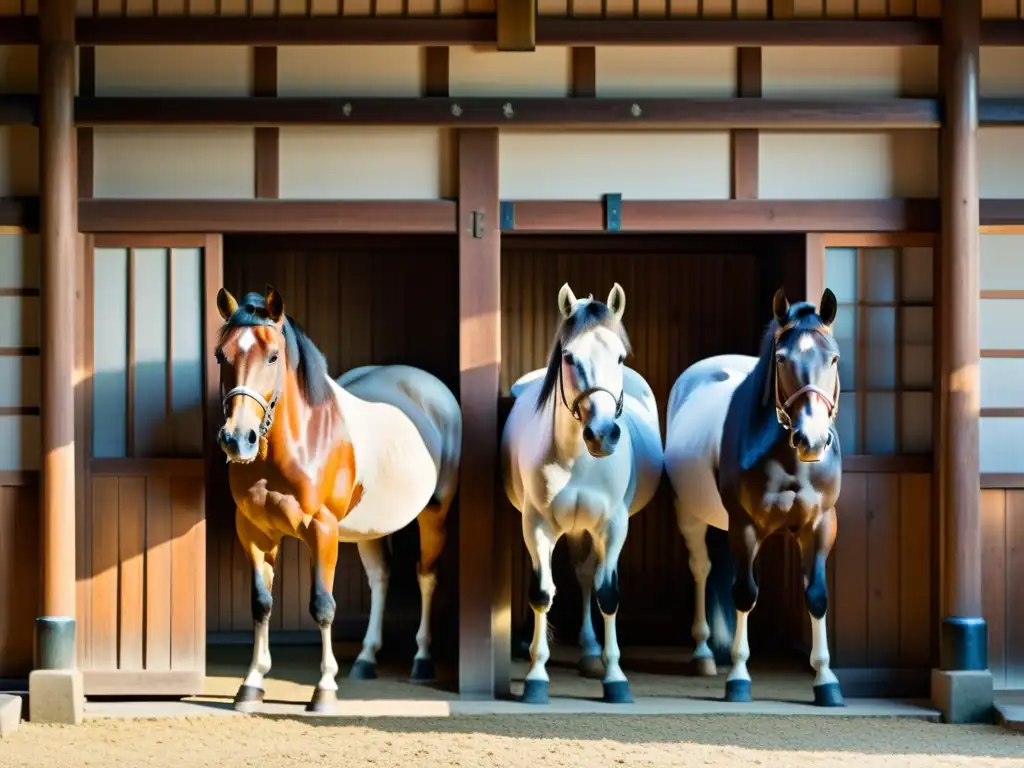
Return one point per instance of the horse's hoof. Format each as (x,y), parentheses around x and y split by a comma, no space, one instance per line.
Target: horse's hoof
(362,670)
(703,667)
(617,692)
(324,702)
(535,692)
(828,695)
(591,667)
(422,671)
(248,698)
(737,691)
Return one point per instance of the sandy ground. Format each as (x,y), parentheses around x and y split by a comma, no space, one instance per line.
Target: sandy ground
(512,741)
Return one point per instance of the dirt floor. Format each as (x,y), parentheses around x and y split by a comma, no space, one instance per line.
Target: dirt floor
(531,741)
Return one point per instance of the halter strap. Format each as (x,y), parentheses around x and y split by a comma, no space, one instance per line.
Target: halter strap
(781,409)
(268,407)
(574,409)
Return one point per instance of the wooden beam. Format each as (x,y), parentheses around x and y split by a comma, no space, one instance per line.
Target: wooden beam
(19,30)
(583,76)
(436,72)
(897,215)
(19,109)
(517,25)
(58,251)
(745,142)
(1001,111)
(19,213)
(292,216)
(266,139)
(963,638)
(515,112)
(481,640)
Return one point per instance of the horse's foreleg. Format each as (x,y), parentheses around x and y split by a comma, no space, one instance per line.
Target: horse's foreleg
(694,533)
(608,546)
(744,545)
(432,538)
(321,536)
(540,540)
(815,545)
(584,561)
(262,552)
(375,563)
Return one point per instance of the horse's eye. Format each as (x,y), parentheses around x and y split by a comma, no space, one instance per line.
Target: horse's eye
(622,359)
(273,358)
(780,359)
(219,357)
(835,360)
(569,358)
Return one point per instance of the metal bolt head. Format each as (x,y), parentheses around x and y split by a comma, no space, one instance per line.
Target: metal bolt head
(635,110)
(507,110)
(456,110)
(346,109)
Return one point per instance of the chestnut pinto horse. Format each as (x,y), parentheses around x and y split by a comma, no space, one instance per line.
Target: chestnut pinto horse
(581,452)
(329,462)
(751,447)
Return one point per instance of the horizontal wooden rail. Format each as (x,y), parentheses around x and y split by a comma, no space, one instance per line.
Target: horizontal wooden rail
(134,467)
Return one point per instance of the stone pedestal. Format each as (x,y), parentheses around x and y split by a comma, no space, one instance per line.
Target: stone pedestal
(55,696)
(10,714)
(963,697)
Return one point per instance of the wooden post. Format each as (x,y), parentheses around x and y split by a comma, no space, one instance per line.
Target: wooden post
(962,686)
(55,685)
(517,25)
(482,633)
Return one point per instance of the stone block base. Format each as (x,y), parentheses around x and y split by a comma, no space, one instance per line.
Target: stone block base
(55,696)
(963,697)
(10,714)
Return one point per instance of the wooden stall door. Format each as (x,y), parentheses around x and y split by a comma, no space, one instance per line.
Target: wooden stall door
(147,324)
(881,572)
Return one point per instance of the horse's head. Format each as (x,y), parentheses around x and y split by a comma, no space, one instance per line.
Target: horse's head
(251,354)
(805,368)
(592,347)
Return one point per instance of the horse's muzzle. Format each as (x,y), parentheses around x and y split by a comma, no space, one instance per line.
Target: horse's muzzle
(808,451)
(238,448)
(602,443)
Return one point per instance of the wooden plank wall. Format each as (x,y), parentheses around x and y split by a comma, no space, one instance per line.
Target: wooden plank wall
(1002,521)
(362,300)
(685,300)
(19,569)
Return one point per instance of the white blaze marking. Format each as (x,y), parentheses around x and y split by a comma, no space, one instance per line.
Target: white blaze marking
(805,343)
(246,340)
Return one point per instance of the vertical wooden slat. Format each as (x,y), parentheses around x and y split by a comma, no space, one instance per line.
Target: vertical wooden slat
(484,641)
(898,351)
(131,535)
(1014,642)
(218,498)
(915,566)
(83,444)
(104,572)
(266,139)
(158,574)
(861,371)
(130,390)
(169,421)
(851,556)
(517,25)
(185,557)
(994,573)
(86,88)
(436,71)
(584,72)
(883,535)
(746,141)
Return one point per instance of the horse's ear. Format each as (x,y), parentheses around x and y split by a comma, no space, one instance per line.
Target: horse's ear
(275,304)
(780,306)
(828,307)
(566,301)
(617,301)
(226,303)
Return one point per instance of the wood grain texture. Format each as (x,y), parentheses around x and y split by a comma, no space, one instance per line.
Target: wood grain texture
(1002,568)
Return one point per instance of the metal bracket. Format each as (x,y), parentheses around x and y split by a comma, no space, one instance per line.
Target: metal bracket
(478,224)
(613,212)
(508,216)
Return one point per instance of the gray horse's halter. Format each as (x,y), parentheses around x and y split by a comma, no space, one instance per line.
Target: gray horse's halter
(782,408)
(268,408)
(574,409)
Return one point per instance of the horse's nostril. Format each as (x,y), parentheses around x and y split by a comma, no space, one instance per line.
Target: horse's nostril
(252,437)
(588,433)
(828,440)
(615,433)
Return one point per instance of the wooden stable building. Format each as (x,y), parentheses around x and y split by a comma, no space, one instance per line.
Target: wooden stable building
(384,160)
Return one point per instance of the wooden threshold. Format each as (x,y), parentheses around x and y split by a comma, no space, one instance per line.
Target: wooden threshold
(1000,480)
(123,682)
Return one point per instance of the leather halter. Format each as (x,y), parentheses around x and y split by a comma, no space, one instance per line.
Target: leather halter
(781,408)
(574,409)
(268,407)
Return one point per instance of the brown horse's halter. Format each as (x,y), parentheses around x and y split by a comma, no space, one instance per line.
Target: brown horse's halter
(574,409)
(781,408)
(268,408)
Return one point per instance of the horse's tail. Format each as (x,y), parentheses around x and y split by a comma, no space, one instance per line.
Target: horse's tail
(721,612)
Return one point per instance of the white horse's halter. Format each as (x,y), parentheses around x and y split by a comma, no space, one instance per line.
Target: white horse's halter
(268,407)
(574,409)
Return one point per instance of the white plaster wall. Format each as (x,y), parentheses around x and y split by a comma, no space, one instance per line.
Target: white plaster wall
(173,163)
(483,71)
(847,166)
(698,72)
(363,163)
(1002,262)
(849,72)
(1001,162)
(19,161)
(584,165)
(1001,72)
(350,70)
(163,70)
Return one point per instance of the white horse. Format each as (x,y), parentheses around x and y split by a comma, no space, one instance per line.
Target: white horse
(581,452)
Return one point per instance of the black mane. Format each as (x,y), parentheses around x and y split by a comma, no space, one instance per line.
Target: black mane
(303,355)
(753,401)
(590,314)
